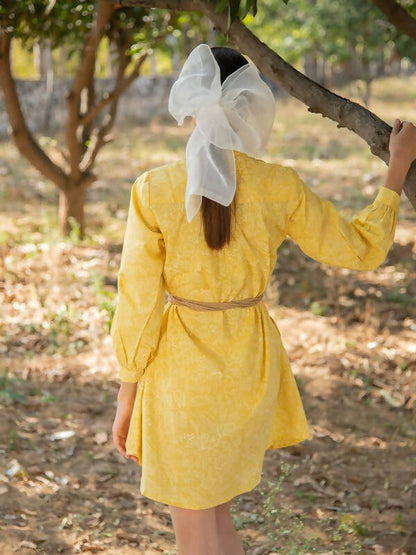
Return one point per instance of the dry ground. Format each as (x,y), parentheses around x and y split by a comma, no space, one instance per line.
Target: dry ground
(350,336)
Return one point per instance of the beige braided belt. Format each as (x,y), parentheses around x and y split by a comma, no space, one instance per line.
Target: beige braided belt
(203,306)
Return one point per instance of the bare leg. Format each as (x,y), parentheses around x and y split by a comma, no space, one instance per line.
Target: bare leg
(195,531)
(230,543)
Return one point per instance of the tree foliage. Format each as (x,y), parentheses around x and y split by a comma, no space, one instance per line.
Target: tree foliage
(299,28)
(37,20)
(67,22)
(81,27)
(325,27)
(236,8)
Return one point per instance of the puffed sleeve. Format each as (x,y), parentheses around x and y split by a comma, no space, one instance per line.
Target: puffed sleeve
(323,234)
(137,320)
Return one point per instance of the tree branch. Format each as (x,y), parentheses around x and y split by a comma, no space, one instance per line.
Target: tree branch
(88,99)
(120,87)
(346,113)
(81,80)
(398,16)
(22,136)
(100,135)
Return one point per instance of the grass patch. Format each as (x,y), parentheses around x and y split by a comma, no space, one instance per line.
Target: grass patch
(288,531)
(9,388)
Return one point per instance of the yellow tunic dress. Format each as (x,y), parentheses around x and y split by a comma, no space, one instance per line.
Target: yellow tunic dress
(215,388)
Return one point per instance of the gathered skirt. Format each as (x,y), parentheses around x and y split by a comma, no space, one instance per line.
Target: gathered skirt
(210,403)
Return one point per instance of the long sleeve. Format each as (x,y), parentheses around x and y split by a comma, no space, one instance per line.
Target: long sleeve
(137,321)
(323,234)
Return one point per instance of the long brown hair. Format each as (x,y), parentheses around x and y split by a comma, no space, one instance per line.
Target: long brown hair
(216,217)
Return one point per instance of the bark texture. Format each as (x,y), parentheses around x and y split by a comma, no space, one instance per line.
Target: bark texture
(71,209)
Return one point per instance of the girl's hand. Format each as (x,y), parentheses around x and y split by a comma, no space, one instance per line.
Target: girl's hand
(122,419)
(402,143)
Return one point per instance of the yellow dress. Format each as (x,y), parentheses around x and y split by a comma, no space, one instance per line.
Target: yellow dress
(215,388)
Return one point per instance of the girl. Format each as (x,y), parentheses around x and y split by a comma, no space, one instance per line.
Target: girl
(206,386)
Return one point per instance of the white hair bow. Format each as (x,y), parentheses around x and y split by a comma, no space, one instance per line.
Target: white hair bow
(237,115)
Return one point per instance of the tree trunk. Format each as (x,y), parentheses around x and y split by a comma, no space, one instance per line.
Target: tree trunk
(49,85)
(71,211)
(322,71)
(310,66)
(76,173)
(153,66)
(63,55)
(43,58)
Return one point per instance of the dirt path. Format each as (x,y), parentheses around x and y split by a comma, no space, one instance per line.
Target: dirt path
(351,339)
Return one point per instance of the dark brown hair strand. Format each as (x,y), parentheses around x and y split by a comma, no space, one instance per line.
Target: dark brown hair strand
(216,218)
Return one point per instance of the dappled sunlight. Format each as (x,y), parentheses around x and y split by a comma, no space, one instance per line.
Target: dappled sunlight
(349,335)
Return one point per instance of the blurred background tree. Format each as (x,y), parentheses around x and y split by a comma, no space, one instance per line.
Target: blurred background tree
(90,39)
(333,45)
(83,40)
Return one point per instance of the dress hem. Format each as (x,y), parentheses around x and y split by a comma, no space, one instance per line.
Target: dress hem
(161,499)
(289,442)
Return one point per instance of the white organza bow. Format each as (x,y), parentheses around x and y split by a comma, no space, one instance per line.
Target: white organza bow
(237,115)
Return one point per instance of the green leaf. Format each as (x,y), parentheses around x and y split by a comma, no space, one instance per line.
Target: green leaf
(247,6)
(234,9)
